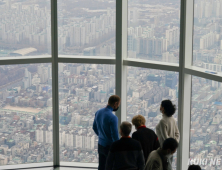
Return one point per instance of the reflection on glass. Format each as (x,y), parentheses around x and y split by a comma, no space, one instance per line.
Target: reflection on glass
(146,88)
(25,114)
(206,125)
(86,28)
(83,89)
(25,28)
(207,42)
(153,30)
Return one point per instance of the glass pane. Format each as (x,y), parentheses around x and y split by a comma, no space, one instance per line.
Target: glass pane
(83,89)
(86,28)
(26,114)
(25,28)
(146,88)
(207,43)
(206,124)
(153,30)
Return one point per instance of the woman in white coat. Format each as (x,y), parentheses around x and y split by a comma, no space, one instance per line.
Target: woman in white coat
(167,127)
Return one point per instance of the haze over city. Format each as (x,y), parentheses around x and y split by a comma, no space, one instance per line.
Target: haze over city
(87,28)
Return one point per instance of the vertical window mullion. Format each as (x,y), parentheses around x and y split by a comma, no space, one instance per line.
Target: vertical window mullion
(55,95)
(184,105)
(184,100)
(121,54)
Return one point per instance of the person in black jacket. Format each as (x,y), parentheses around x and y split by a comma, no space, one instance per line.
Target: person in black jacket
(194,167)
(147,137)
(126,153)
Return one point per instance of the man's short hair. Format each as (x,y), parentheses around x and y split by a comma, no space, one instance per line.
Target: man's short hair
(113,99)
(126,128)
(138,120)
(194,167)
(170,143)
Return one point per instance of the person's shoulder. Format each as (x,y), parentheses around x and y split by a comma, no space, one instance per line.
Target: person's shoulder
(150,131)
(115,146)
(170,119)
(163,120)
(135,143)
(173,118)
(113,117)
(144,130)
(101,110)
(135,133)
(153,154)
(134,140)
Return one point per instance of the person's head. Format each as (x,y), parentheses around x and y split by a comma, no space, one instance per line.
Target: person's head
(114,102)
(125,129)
(170,146)
(138,121)
(167,108)
(194,167)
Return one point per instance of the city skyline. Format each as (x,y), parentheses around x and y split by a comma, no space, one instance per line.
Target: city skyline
(87,28)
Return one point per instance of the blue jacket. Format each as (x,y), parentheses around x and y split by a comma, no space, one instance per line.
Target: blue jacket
(105,125)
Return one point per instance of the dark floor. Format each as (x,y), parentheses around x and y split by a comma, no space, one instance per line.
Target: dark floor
(61,168)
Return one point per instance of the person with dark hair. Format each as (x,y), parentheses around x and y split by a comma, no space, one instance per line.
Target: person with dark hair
(168,107)
(147,137)
(105,126)
(194,167)
(167,127)
(158,159)
(126,153)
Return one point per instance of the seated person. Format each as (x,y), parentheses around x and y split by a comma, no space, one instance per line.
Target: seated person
(159,159)
(147,137)
(125,153)
(194,167)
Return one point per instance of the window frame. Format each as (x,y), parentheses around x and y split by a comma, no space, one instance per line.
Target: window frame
(184,68)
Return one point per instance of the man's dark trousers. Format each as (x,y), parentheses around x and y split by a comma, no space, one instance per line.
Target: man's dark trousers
(103,154)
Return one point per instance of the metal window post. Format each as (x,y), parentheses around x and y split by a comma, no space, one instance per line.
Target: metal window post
(121,54)
(184,100)
(55,84)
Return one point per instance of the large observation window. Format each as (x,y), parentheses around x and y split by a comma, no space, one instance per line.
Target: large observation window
(26,130)
(207,43)
(25,28)
(146,88)
(154,30)
(86,28)
(83,89)
(206,124)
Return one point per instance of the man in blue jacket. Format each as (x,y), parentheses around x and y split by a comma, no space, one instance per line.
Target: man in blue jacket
(105,125)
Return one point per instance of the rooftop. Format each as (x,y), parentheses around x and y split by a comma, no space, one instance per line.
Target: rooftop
(23,51)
